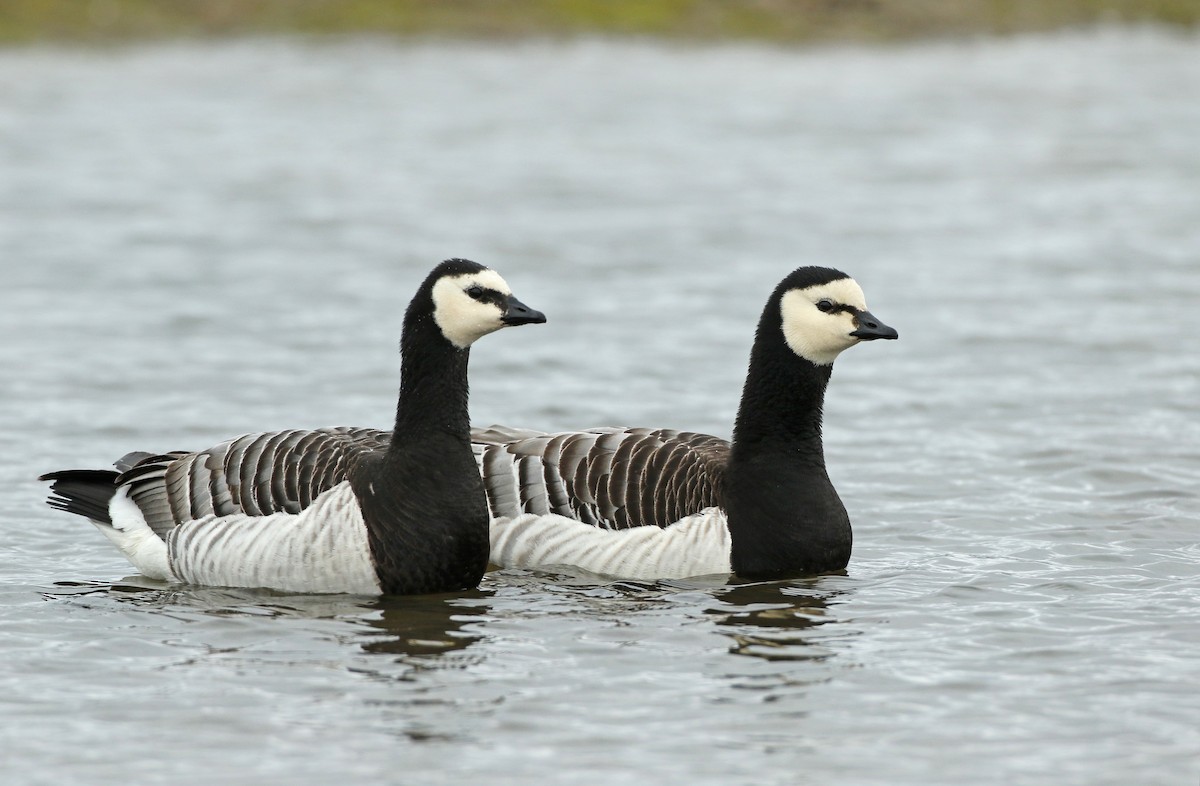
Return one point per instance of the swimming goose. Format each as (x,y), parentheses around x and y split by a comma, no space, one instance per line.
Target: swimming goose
(655,503)
(329,510)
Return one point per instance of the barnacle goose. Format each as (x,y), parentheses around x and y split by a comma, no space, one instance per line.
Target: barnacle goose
(654,503)
(330,510)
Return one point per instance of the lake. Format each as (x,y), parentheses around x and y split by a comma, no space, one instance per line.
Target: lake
(208,238)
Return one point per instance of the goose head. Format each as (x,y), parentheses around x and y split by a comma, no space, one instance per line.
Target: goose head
(470,300)
(823,312)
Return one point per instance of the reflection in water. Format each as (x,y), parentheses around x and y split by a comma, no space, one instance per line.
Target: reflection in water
(393,640)
(774,621)
(421,627)
(426,625)
(213,601)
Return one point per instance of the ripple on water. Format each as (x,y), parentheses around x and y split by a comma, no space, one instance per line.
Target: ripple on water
(1021,466)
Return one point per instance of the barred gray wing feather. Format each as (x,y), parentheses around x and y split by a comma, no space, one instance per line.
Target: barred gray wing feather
(531,474)
(613,478)
(146,479)
(574,462)
(253,475)
(503,435)
(557,496)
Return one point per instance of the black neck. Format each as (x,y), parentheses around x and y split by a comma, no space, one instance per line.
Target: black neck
(782,402)
(433,385)
(785,518)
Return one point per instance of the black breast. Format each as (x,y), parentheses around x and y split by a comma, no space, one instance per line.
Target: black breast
(426,517)
(785,517)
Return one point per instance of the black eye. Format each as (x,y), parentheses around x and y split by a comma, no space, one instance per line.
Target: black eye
(475,291)
(825,305)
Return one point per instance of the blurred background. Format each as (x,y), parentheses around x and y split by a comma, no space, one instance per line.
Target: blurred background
(772,20)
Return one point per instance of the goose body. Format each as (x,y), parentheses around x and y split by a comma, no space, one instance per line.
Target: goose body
(656,503)
(327,510)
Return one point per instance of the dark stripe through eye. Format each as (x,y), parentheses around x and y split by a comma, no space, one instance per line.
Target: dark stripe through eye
(475,291)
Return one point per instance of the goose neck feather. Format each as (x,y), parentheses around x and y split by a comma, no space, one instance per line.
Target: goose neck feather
(433,384)
(783,397)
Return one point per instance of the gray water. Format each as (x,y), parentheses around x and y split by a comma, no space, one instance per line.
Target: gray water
(199,240)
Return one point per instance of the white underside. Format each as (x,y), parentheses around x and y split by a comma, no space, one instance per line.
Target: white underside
(131,534)
(694,546)
(322,549)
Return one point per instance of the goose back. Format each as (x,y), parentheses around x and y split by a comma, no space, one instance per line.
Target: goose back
(611,478)
(251,475)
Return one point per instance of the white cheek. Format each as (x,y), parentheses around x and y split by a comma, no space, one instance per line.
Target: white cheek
(811,333)
(462,320)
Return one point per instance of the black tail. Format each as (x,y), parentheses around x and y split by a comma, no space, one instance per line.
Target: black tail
(84,492)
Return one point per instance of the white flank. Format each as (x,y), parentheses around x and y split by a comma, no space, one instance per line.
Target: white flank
(324,548)
(697,545)
(130,533)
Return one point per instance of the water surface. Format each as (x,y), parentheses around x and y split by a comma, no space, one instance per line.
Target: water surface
(199,240)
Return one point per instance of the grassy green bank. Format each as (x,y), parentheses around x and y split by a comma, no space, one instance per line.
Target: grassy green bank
(772,20)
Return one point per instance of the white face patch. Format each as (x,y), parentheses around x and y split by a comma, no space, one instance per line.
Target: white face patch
(462,319)
(815,335)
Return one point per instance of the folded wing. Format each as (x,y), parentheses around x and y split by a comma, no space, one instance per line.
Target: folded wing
(254,474)
(612,478)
